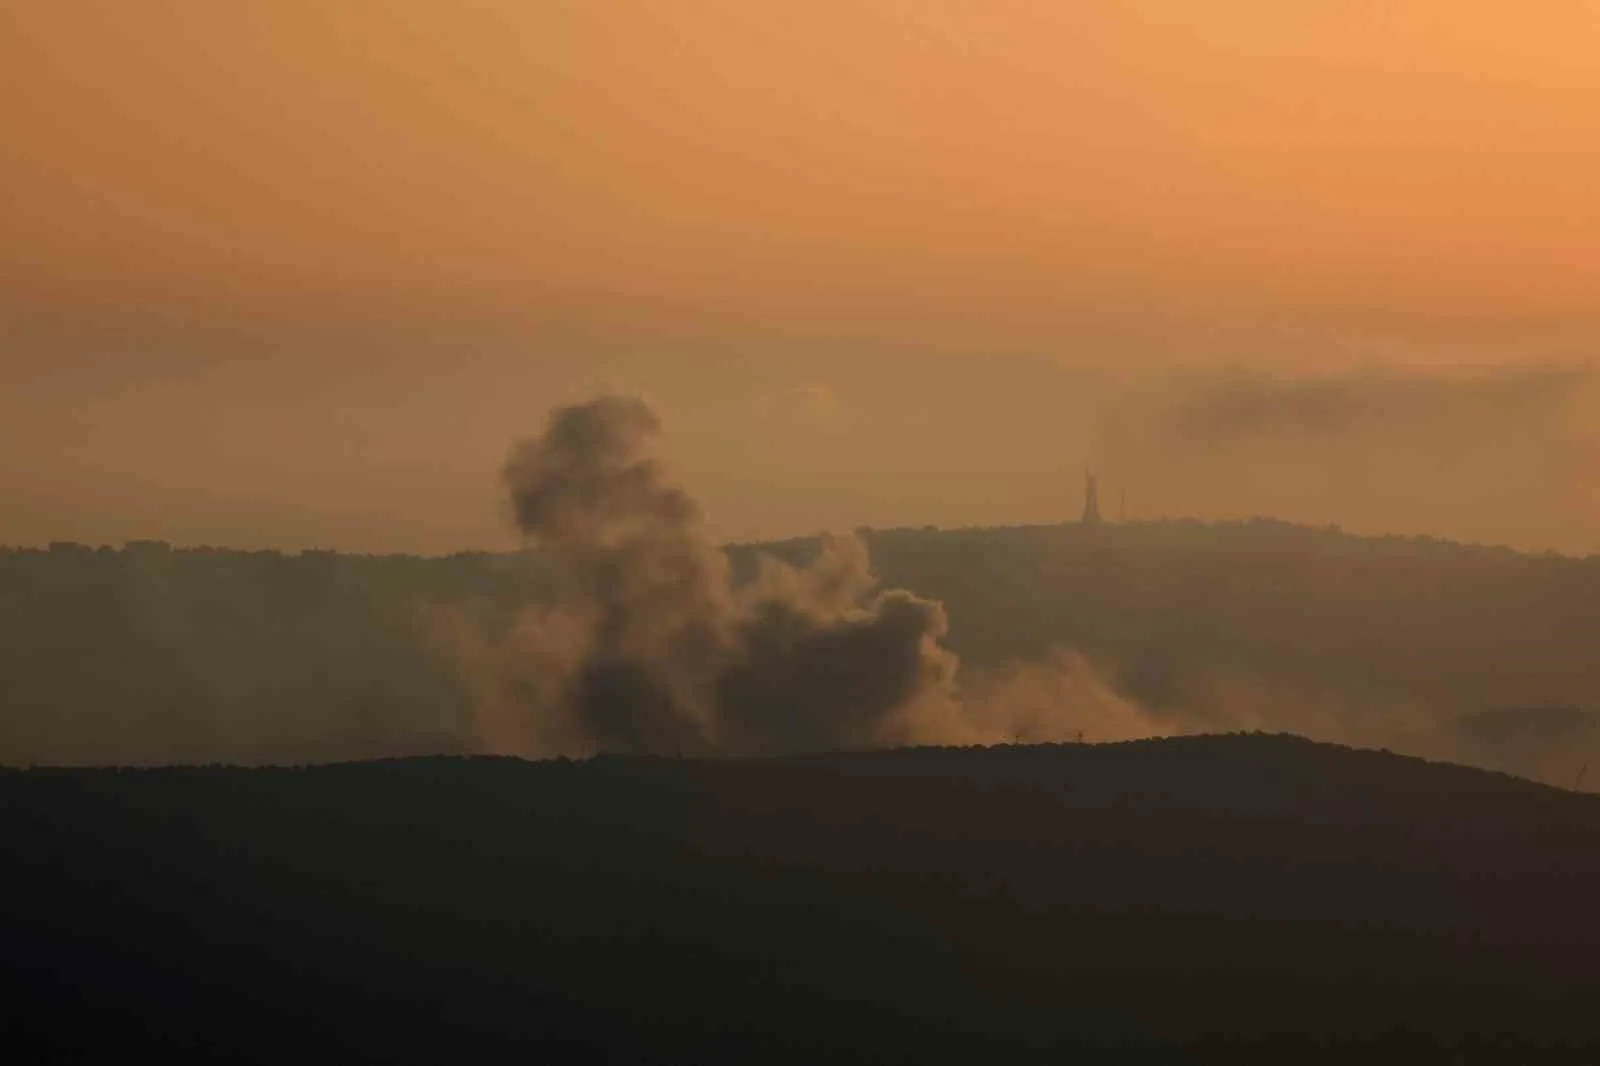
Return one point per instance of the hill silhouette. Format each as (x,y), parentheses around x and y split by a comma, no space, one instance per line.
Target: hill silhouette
(150,654)
(1195,896)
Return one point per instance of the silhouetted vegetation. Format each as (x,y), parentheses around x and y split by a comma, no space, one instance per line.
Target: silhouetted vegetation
(920,905)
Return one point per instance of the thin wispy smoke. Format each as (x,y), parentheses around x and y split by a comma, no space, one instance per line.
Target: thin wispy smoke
(1444,411)
(1058,698)
(1066,696)
(1501,456)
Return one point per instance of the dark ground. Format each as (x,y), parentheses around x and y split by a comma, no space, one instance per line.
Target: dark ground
(1196,899)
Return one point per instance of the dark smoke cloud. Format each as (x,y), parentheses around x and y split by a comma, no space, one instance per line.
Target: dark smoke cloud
(648,644)
(637,637)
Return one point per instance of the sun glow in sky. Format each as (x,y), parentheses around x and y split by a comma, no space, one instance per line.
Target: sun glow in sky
(296,272)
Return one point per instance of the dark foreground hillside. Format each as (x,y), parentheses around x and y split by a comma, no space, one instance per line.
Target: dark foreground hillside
(926,905)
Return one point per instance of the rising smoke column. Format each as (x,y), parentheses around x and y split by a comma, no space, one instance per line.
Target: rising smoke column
(645,644)
(662,652)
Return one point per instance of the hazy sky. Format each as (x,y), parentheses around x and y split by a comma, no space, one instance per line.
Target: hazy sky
(294,273)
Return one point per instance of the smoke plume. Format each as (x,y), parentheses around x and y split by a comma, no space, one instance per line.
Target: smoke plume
(640,640)
(647,644)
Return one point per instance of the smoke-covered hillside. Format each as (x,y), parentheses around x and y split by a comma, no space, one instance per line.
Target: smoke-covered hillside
(149,654)
(625,628)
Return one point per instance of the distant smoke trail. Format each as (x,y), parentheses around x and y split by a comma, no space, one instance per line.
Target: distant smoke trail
(648,645)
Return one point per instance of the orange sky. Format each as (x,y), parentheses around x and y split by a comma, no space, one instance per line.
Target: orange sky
(296,272)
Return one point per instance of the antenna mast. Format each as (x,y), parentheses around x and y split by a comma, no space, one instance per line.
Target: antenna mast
(1091,500)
